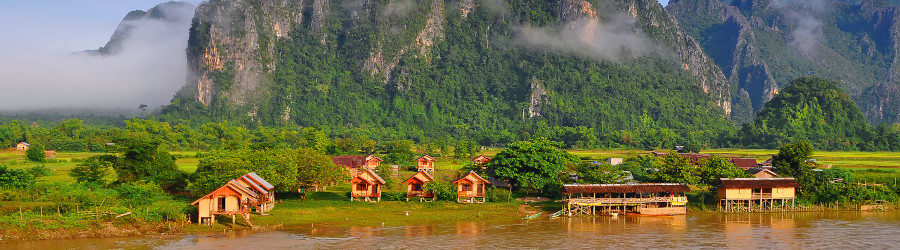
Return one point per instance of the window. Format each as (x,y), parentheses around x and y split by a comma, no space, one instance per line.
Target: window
(417,187)
(467,187)
(361,187)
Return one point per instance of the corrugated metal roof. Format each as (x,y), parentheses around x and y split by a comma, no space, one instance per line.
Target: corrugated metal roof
(261,181)
(625,188)
(759,182)
(253,184)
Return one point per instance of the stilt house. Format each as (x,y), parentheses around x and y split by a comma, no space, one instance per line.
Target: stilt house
(366,186)
(415,186)
(425,163)
(642,198)
(355,164)
(470,187)
(230,199)
(757,194)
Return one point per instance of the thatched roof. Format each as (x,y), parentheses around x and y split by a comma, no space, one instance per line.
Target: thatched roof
(759,183)
(625,188)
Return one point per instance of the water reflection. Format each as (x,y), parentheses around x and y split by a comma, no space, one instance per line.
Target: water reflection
(742,231)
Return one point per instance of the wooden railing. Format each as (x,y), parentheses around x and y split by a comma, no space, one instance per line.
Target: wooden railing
(629,200)
(419,194)
(761,195)
(466,194)
(364,194)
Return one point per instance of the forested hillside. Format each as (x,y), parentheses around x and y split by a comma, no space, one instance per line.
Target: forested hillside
(589,73)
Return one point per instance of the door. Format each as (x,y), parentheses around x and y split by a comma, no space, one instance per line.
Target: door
(221,203)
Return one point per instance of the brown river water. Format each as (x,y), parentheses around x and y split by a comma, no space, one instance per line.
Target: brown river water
(806,230)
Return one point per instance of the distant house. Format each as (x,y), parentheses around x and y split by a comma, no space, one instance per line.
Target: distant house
(481,159)
(425,163)
(744,163)
(760,172)
(415,186)
(757,194)
(355,164)
(470,187)
(366,185)
(22,146)
(230,199)
(50,154)
(615,161)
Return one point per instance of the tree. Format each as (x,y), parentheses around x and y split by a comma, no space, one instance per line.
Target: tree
(793,160)
(141,159)
(598,173)
(536,164)
(92,170)
(35,153)
(675,168)
(712,169)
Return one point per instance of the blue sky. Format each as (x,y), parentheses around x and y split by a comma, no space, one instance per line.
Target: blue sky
(63,25)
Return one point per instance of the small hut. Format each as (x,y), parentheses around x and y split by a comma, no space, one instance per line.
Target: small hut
(415,186)
(232,198)
(425,163)
(470,187)
(355,164)
(757,194)
(22,146)
(265,191)
(366,185)
(481,159)
(760,172)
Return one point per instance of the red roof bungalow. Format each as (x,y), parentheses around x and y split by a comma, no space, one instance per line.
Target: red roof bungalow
(470,187)
(232,198)
(744,163)
(366,185)
(353,163)
(481,159)
(415,186)
(426,163)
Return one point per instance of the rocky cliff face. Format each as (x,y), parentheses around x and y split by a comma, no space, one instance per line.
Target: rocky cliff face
(233,59)
(231,50)
(762,45)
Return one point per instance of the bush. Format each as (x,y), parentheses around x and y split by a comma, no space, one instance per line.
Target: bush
(444,191)
(497,194)
(141,193)
(395,196)
(40,171)
(15,178)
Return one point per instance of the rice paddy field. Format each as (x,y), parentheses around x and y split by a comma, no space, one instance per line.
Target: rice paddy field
(867,166)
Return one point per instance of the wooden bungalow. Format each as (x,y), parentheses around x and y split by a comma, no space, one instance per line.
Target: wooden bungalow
(426,163)
(22,146)
(470,187)
(415,186)
(232,198)
(757,194)
(481,159)
(264,190)
(356,164)
(760,172)
(642,198)
(366,185)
